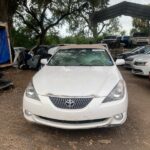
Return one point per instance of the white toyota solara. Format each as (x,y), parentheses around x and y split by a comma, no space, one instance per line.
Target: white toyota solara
(80,87)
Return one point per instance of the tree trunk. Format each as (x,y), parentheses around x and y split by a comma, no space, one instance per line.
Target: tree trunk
(95,33)
(41,39)
(4,12)
(8,8)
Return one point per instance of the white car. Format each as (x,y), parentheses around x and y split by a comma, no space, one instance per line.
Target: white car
(141,65)
(80,87)
(130,60)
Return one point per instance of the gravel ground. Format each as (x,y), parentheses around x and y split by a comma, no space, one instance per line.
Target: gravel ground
(18,134)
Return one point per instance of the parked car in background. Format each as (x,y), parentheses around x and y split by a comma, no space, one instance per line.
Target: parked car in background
(140,39)
(126,40)
(80,87)
(129,60)
(135,51)
(141,66)
(112,41)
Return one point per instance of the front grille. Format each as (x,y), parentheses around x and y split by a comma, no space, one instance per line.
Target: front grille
(74,122)
(137,71)
(70,103)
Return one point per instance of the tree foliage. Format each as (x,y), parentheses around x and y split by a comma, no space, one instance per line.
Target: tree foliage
(42,15)
(81,23)
(140,25)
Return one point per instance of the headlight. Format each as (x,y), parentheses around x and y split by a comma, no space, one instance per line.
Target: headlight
(117,93)
(141,63)
(31,93)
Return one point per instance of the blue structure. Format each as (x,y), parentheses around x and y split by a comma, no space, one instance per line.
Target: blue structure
(4,48)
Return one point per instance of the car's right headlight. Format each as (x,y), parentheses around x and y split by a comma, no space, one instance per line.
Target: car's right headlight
(31,93)
(117,93)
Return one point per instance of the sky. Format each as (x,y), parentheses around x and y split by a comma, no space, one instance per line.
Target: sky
(125,21)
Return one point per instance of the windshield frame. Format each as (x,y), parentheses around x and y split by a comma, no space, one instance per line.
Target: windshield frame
(109,55)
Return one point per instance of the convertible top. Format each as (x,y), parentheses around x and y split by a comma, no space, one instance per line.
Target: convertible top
(78,46)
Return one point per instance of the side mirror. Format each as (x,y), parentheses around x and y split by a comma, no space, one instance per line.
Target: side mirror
(44,61)
(120,62)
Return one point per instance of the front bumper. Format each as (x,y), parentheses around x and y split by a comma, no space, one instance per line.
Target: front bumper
(141,70)
(95,115)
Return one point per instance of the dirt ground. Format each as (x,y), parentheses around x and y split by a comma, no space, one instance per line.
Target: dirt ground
(17,134)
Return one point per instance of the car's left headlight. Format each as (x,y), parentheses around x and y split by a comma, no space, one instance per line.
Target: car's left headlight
(117,93)
(142,63)
(31,93)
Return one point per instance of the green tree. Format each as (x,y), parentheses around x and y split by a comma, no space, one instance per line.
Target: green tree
(42,15)
(113,28)
(141,25)
(20,37)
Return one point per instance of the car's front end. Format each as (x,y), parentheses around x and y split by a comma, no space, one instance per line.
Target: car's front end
(141,66)
(87,112)
(129,61)
(77,97)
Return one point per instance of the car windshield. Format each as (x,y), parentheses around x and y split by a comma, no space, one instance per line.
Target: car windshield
(135,49)
(81,57)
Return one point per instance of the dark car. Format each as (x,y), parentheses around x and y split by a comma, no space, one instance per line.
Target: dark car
(112,41)
(126,40)
(137,50)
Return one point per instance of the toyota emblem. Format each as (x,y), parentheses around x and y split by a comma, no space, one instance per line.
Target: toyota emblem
(69,103)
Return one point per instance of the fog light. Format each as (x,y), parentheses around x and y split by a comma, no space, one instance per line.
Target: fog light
(28,113)
(118,116)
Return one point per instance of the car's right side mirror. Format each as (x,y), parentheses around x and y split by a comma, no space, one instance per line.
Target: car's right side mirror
(120,62)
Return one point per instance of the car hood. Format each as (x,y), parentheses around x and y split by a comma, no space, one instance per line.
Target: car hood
(144,58)
(137,56)
(76,81)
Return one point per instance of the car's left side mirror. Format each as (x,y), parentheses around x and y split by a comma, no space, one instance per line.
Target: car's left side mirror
(44,61)
(120,62)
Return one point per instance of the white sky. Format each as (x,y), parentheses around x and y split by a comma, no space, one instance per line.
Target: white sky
(125,21)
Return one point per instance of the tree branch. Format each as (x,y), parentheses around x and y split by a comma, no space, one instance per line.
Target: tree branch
(102,29)
(67,14)
(31,12)
(27,23)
